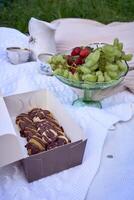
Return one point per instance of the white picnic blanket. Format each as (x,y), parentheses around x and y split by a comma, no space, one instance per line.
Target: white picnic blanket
(72,184)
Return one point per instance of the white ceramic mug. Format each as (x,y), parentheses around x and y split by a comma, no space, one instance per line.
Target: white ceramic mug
(45,68)
(18,55)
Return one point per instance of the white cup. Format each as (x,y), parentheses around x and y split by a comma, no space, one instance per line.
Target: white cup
(45,68)
(18,55)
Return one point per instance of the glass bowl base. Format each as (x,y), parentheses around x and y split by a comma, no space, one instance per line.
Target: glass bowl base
(80,102)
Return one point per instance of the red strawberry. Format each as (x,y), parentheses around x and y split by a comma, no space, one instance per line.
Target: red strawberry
(75,51)
(84,52)
(79,61)
(69,60)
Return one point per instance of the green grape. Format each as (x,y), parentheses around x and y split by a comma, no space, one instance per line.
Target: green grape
(122,66)
(116,42)
(78,69)
(113,75)
(58,72)
(94,67)
(89,77)
(93,73)
(92,59)
(110,58)
(108,49)
(111,52)
(80,76)
(53,66)
(62,60)
(117,52)
(49,60)
(100,77)
(85,70)
(54,59)
(70,76)
(76,77)
(102,65)
(120,46)
(107,77)
(111,67)
(59,59)
(99,73)
(66,73)
(60,66)
(127,57)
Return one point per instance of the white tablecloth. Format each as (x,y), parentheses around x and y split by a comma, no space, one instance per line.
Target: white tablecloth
(114,179)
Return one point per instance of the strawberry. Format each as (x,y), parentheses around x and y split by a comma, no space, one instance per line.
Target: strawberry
(75,51)
(69,60)
(85,52)
(79,61)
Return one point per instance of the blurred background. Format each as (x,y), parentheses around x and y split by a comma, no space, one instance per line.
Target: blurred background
(16,13)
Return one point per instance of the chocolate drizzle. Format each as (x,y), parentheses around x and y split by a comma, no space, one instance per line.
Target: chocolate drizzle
(41,130)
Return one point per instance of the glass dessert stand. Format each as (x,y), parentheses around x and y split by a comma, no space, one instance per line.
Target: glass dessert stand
(89,88)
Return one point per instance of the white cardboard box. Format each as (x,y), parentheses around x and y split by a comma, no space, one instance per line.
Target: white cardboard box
(12,144)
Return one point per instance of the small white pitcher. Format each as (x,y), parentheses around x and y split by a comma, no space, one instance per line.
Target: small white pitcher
(42,37)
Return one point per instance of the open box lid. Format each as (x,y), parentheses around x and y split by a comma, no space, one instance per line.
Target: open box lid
(10,149)
(11,144)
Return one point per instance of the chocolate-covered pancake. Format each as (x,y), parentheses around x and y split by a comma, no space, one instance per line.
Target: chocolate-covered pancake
(41,130)
(62,140)
(29,132)
(24,117)
(24,121)
(36,142)
(23,124)
(38,114)
(49,131)
(52,145)
(32,149)
(46,139)
(50,134)
(45,123)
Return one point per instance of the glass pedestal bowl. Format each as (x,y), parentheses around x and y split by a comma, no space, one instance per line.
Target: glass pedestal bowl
(89,88)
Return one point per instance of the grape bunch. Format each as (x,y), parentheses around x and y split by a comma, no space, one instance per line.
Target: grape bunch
(102,64)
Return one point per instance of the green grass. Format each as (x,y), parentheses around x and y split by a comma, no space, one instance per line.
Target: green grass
(16,13)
